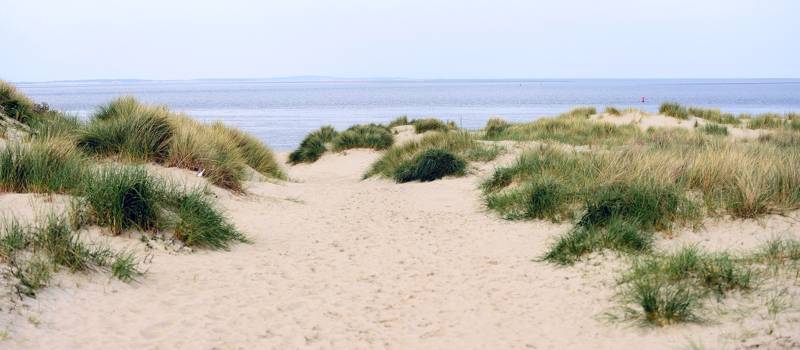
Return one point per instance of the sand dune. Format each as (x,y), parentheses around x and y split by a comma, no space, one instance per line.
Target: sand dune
(341,263)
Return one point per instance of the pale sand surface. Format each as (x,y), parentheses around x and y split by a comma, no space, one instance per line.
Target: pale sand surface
(341,263)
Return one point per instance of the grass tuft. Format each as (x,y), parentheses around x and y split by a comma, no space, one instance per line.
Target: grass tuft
(673,109)
(613,111)
(372,136)
(714,129)
(459,143)
(125,267)
(495,128)
(432,164)
(399,121)
(428,124)
(40,167)
(124,197)
(200,224)
(313,145)
(142,133)
(572,128)
(254,152)
(713,115)
(14,104)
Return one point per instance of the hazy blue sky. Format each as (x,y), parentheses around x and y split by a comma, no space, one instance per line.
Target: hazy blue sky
(161,39)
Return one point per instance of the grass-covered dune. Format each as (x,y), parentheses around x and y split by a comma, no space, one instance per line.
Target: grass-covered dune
(315,144)
(374,136)
(98,164)
(573,127)
(638,182)
(130,131)
(434,156)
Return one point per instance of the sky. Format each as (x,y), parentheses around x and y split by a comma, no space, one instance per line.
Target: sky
(162,39)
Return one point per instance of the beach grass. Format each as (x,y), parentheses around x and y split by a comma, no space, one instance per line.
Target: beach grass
(673,178)
(198,147)
(460,143)
(428,124)
(399,121)
(714,115)
(122,198)
(129,130)
(374,136)
(573,128)
(254,152)
(788,121)
(714,129)
(313,146)
(40,167)
(125,267)
(14,104)
(199,223)
(673,109)
(429,165)
(612,111)
(316,143)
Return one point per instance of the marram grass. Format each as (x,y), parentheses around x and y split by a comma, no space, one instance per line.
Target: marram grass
(460,143)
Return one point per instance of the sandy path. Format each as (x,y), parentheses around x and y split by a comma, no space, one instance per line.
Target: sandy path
(340,263)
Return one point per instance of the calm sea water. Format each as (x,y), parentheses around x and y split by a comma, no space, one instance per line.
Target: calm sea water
(281,112)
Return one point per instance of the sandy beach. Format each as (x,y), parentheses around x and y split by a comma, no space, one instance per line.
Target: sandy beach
(340,262)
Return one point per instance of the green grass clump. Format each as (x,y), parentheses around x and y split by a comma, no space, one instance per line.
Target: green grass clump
(49,245)
(651,186)
(669,288)
(34,274)
(663,304)
(432,164)
(620,217)
(789,121)
(428,124)
(54,126)
(313,146)
(713,115)
(714,129)
(373,136)
(542,198)
(128,198)
(124,267)
(200,224)
(55,239)
(124,197)
(647,205)
(741,179)
(40,167)
(579,112)
(781,138)
(459,143)
(613,111)
(13,238)
(254,152)
(674,110)
(14,104)
(572,128)
(399,121)
(495,127)
(129,130)
(199,147)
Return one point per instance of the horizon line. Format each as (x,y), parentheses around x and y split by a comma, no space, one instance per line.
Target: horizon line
(322,78)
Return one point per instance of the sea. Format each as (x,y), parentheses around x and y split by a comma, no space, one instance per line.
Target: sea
(282,111)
